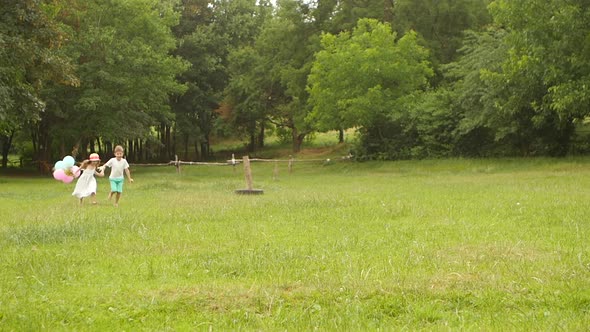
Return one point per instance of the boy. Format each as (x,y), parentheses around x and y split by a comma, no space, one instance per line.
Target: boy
(118,165)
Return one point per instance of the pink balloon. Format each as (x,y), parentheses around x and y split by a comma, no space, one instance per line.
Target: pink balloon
(76,171)
(67,179)
(59,174)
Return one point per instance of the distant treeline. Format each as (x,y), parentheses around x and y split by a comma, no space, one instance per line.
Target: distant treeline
(416,78)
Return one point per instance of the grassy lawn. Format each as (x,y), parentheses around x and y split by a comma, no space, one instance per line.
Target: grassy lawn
(434,245)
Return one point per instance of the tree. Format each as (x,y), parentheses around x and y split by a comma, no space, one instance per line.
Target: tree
(31,57)
(430,125)
(346,13)
(441,23)
(548,48)
(246,93)
(288,43)
(127,75)
(474,95)
(271,88)
(364,78)
(228,25)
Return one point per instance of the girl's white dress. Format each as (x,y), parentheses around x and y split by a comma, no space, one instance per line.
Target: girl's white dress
(86,184)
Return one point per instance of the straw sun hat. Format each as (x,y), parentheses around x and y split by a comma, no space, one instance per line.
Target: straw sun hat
(94,157)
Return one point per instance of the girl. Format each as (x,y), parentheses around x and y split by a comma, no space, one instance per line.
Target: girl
(86,185)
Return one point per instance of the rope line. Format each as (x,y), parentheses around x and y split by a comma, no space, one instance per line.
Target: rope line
(239,161)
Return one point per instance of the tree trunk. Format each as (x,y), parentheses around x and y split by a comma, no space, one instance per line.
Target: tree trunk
(138,150)
(261,135)
(108,148)
(186,147)
(340,136)
(62,148)
(130,151)
(43,156)
(44,147)
(35,141)
(75,150)
(162,134)
(205,148)
(100,151)
(563,138)
(169,148)
(252,144)
(6,145)
(136,155)
(197,151)
(297,140)
(85,148)
(141,150)
(173,142)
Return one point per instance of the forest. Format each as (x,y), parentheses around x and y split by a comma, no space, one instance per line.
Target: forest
(413,78)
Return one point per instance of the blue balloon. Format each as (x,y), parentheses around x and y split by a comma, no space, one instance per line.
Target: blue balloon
(69,161)
(60,165)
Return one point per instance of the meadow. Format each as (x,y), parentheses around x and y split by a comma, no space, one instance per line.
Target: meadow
(488,245)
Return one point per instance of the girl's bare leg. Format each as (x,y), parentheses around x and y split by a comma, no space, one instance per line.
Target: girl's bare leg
(93,197)
(117,198)
(81,199)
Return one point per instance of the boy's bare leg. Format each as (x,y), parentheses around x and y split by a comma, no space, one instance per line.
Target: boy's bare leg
(110,195)
(117,198)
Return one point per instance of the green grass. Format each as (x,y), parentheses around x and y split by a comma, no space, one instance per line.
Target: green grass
(422,245)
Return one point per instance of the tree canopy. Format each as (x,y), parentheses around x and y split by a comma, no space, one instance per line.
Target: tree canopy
(415,78)
(362,75)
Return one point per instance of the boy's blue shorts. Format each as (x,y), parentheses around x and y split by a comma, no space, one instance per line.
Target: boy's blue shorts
(117,184)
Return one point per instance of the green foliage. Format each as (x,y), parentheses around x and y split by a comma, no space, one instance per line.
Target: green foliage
(476,78)
(359,77)
(346,13)
(227,26)
(31,58)
(122,79)
(368,79)
(474,97)
(126,72)
(432,121)
(440,23)
(551,36)
(248,91)
(524,83)
(270,86)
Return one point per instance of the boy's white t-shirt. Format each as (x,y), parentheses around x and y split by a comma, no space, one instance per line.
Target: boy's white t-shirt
(117,167)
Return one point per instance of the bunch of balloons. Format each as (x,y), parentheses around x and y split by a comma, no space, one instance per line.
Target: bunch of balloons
(65,170)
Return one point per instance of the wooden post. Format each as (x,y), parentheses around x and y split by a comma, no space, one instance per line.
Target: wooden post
(233,162)
(177,163)
(290,164)
(248,173)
